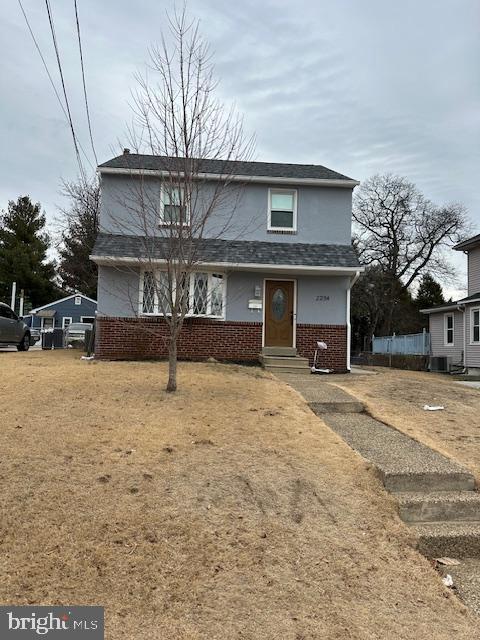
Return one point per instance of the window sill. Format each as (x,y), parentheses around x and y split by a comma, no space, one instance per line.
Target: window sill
(188,316)
(285,232)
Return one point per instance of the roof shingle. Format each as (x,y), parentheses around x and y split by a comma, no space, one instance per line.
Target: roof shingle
(231,251)
(134,161)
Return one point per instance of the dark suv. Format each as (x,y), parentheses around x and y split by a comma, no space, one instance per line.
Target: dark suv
(12,329)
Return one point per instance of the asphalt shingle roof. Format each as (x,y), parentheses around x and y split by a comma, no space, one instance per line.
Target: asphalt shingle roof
(223,167)
(232,251)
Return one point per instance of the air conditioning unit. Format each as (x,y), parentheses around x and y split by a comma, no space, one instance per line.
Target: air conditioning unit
(440,364)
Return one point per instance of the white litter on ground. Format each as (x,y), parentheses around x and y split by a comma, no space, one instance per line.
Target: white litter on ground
(428,407)
(448,580)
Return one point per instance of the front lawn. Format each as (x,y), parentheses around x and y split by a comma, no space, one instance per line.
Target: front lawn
(227,510)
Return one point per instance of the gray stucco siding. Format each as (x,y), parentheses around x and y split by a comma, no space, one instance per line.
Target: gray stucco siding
(323,213)
(437,335)
(320,300)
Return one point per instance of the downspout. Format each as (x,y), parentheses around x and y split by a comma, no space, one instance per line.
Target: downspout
(463,309)
(353,279)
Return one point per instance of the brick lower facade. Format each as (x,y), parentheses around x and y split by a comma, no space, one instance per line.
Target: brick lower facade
(201,338)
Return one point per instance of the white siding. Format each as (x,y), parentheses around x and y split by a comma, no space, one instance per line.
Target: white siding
(473,350)
(474,271)
(437,335)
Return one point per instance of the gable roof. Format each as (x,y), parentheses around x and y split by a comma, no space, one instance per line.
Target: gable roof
(469,243)
(138,162)
(230,252)
(51,304)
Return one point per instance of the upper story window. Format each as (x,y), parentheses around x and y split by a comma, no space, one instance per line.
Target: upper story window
(282,210)
(448,327)
(475,325)
(174,210)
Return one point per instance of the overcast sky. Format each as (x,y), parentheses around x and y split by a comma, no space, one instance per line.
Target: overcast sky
(361,86)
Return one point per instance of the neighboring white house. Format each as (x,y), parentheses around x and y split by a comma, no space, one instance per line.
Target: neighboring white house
(455,326)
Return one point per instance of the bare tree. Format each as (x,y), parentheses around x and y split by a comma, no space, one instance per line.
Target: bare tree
(178,120)
(404,233)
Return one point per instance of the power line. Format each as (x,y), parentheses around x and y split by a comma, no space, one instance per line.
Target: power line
(72,128)
(37,46)
(84,84)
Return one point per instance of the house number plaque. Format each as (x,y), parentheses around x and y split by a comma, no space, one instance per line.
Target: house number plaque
(322,298)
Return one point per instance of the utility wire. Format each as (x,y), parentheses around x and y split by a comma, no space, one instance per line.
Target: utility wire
(62,79)
(37,46)
(84,83)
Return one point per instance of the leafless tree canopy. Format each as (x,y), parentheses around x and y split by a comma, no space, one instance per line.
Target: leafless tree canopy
(397,228)
(178,119)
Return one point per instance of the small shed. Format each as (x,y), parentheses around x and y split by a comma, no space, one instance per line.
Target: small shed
(60,313)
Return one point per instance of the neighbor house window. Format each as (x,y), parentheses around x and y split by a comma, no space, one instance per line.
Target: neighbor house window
(174,209)
(203,292)
(448,320)
(475,325)
(65,322)
(78,300)
(282,210)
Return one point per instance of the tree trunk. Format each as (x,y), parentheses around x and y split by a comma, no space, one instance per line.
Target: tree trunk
(172,365)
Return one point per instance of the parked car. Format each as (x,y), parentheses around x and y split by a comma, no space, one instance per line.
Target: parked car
(13,331)
(75,334)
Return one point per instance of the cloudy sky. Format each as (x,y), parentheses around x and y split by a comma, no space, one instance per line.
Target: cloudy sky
(361,86)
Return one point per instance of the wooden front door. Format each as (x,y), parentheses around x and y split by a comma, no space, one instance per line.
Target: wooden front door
(279,318)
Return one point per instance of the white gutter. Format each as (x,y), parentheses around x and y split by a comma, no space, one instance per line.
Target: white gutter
(246,266)
(321,182)
(349,324)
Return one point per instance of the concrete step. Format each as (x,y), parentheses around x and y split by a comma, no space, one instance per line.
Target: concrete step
(453,539)
(282,369)
(285,361)
(320,408)
(442,506)
(279,351)
(404,464)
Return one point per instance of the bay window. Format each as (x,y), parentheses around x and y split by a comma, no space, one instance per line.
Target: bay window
(204,293)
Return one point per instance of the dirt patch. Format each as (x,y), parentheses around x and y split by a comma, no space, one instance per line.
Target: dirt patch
(227,510)
(398,397)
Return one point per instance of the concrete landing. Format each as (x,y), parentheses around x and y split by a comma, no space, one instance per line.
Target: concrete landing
(322,397)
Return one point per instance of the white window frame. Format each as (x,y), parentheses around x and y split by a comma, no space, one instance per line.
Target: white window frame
(472,310)
(291,229)
(42,326)
(66,318)
(446,316)
(189,314)
(164,223)
(92,318)
(78,300)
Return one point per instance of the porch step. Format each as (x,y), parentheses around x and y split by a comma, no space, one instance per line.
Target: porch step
(285,364)
(453,539)
(279,351)
(440,506)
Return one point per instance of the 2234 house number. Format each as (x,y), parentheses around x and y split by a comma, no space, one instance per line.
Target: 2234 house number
(322,298)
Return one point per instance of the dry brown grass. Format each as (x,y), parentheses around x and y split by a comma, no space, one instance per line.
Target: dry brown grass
(397,397)
(225,511)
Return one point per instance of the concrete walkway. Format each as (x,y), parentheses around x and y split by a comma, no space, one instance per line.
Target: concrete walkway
(436,496)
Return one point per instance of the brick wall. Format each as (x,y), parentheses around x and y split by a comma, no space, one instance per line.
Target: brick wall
(200,338)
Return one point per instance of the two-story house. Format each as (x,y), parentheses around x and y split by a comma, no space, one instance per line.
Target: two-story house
(276,288)
(455,326)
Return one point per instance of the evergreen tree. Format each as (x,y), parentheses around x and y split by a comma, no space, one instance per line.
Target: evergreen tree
(23,253)
(80,228)
(429,293)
